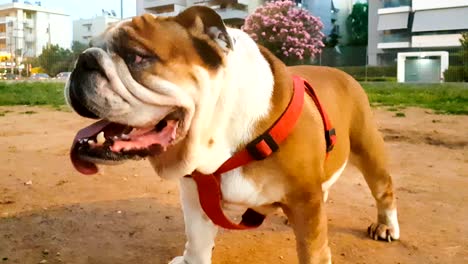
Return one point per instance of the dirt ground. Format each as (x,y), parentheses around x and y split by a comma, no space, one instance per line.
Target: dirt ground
(125,214)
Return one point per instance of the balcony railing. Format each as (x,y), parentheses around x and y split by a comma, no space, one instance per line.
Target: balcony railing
(390,37)
(396,3)
(28,23)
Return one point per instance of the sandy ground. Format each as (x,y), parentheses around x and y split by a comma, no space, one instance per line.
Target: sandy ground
(125,214)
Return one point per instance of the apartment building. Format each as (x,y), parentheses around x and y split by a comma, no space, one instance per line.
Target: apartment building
(26,28)
(85,29)
(231,11)
(418,35)
(333,14)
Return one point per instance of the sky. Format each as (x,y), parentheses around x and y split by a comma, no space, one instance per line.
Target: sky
(86,8)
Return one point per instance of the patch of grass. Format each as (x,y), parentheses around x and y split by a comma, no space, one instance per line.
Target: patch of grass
(3,113)
(28,112)
(400,114)
(31,93)
(449,98)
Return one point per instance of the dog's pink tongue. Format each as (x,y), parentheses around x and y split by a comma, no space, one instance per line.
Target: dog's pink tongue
(80,165)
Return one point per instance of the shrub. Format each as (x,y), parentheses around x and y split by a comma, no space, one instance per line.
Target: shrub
(372,71)
(455,74)
(289,32)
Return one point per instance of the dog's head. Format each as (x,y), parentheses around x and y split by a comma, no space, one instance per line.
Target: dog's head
(146,79)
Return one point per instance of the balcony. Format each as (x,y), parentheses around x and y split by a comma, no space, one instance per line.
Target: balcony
(29,38)
(396,3)
(147,4)
(4,20)
(229,13)
(28,23)
(436,40)
(3,35)
(392,36)
(394,40)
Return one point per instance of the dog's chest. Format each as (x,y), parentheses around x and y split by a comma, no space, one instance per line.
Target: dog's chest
(240,190)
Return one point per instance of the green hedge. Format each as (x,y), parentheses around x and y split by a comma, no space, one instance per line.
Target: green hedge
(376,79)
(359,72)
(456,74)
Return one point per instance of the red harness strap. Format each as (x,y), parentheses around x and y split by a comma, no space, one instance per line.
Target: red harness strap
(209,186)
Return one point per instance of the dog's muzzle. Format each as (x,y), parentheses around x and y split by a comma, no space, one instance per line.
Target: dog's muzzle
(88,71)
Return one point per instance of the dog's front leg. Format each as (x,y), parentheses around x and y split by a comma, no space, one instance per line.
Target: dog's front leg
(306,214)
(200,231)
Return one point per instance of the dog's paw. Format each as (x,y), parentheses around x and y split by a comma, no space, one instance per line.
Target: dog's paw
(178,260)
(382,232)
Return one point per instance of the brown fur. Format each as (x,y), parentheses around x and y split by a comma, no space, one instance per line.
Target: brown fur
(300,164)
(299,167)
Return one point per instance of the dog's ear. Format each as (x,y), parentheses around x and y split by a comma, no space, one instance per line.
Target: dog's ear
(202,19)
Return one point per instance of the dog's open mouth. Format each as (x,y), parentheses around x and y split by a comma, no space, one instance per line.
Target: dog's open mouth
(107,142)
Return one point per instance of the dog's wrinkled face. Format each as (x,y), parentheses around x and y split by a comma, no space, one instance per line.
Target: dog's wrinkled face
(143,78)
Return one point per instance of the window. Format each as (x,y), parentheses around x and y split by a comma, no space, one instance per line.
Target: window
(88,26)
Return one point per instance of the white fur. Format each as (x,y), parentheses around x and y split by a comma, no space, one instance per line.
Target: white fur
(239,190)
(200,231)
(392,222)
(229,116)
(247,85)
(328,184)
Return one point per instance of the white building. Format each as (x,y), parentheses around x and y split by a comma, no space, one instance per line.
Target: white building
(418,34)
(231,11)
(25,29)
(333,14)
(85,29)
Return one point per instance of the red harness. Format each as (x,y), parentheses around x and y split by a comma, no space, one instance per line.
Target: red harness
(209,188)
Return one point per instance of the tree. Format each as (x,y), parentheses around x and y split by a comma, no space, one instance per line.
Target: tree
(78,48)
(289,32)
(55,59)
(333,38)
(357,24)
(464,52)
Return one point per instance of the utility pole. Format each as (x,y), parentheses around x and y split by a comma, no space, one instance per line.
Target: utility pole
(121,9)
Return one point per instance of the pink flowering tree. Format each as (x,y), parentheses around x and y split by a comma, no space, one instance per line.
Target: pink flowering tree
(290,32)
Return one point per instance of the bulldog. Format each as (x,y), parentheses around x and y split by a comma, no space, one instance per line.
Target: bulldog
(187,93)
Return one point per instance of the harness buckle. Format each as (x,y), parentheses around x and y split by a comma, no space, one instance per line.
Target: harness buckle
(329,137)
(262,147)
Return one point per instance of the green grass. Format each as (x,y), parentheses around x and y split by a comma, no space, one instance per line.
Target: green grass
(31,93)
(449,98)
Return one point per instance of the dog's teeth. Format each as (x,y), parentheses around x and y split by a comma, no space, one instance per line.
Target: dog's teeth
(91,142)
(125,136)
(100,138)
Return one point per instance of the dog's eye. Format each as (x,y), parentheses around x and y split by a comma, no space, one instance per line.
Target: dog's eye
(133,58)
(136,59)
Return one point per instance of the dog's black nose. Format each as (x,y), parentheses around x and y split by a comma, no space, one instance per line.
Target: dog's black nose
(77,99)
(88,61)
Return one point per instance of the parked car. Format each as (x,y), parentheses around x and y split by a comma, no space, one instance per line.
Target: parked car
(62,76)
(10,76)
(39,76)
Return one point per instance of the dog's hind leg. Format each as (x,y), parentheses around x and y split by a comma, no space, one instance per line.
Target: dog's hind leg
(368,154)
(200,231)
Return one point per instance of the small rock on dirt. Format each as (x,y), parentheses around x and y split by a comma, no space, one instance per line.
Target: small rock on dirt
(43,261)
(45,252)
(28,182)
